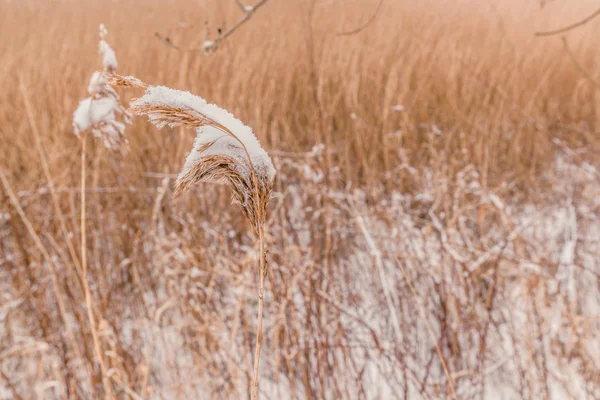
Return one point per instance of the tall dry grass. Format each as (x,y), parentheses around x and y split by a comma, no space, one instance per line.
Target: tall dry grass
(484,104)
(477,71)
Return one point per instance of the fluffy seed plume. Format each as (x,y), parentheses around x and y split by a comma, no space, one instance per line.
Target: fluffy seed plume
(101,113)
(224,149)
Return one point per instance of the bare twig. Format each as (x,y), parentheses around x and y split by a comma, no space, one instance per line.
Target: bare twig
(570,27)
(367,23)
(241,5)
(210,46)
(167,40)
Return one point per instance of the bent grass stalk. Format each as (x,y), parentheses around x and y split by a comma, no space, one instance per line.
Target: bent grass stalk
(225,149)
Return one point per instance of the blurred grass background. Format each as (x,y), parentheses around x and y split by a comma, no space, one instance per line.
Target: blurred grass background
(429,98)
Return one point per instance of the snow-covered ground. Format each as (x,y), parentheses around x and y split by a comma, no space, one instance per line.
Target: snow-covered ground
(373,297)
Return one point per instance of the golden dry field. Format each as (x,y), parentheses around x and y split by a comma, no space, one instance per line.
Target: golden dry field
(434,227)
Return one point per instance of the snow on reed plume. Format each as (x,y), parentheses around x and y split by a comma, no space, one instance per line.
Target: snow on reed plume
(224,148)
(101,113)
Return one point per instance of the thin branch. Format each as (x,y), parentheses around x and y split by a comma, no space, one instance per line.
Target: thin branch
(210,46)
(570,27)
(367,23)
(167,40)
(241,5)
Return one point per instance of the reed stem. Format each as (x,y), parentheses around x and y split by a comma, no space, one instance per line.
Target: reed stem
(108,393)
(262,268)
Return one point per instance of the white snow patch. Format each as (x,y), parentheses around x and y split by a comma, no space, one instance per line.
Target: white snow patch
(109,58)
(223,144)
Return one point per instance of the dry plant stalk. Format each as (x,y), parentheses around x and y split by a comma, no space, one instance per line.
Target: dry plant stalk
(225,149)
(98,114)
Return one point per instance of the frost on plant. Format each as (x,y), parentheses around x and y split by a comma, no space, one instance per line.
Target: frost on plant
(109,59)
(101,114)
(224,148)
(222,135)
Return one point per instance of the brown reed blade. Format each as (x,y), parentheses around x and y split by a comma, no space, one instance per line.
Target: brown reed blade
(117,80)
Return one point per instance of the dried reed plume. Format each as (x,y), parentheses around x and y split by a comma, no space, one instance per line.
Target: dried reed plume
(225,149)
(99,115)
